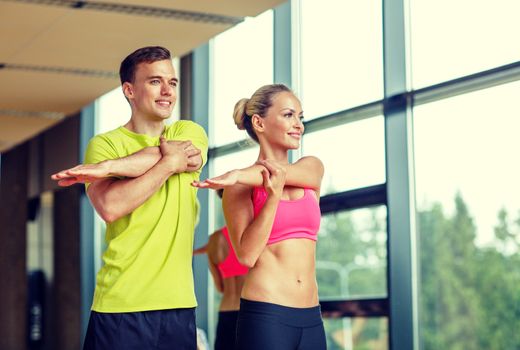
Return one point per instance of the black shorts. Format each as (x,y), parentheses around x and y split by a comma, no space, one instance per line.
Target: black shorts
(160,329)
(226,330)
(268,326)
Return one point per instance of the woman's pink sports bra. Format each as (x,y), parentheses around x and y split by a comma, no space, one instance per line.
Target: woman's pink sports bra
(299,218)
(230,266)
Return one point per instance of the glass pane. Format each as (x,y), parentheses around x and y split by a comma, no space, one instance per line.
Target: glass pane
(341,55)
(359,333)
(468,219)
(242,62)
(450,39)
(353,154)
(222,164)
(219,166)
(351,254)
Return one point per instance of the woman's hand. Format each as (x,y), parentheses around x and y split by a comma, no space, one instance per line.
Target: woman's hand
(228,179)
(274,175)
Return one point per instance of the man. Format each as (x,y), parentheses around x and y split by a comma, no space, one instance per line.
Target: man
(138,179)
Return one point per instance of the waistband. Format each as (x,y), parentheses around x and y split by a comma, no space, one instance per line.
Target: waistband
(291,316)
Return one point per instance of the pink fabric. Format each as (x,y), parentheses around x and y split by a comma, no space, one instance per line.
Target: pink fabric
(230,267)
(299,218)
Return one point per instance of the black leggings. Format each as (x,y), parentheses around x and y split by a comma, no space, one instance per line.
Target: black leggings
(264,326)
(226,330)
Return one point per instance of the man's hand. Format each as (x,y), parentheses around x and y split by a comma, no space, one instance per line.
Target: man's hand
(83,173)
(180,155)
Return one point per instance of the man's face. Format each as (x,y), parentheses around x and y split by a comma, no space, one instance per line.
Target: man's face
(153,93)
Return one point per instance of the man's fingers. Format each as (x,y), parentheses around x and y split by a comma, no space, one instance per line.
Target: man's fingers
(192,152)
(67,182)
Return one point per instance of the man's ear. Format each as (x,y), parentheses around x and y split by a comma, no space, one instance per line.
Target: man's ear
(128,90)
(258,123)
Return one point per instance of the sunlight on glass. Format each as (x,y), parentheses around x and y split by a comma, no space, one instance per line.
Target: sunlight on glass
(237,160)
(468,219)
(450,39)
(353,154)
(341,55)
(242,62)
(351,254)
(357,333)
(469,145)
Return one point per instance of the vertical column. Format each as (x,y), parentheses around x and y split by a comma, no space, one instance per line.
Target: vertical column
(282,44)
(13,221)
(66,291)
(286,50)
(87,220)
(400,180)
(200,114)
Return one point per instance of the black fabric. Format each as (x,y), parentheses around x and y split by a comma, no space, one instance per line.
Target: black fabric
(226,330)
(161,329)
(262,326)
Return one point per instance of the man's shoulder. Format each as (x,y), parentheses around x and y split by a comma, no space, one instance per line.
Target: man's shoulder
(107,143)
(183,126)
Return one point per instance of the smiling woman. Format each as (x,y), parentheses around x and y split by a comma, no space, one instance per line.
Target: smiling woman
(273,216)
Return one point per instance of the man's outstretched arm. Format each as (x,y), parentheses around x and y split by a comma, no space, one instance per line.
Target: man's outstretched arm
(130,166)
(114,198)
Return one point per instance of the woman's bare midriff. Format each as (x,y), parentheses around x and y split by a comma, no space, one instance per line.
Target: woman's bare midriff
(284,275)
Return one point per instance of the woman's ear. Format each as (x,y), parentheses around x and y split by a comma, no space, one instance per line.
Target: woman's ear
(258,123)
(128,90)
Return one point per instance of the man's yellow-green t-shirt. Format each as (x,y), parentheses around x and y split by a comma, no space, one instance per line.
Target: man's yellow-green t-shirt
(148,260)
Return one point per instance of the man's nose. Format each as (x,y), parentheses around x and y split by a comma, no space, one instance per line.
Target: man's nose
(166,90)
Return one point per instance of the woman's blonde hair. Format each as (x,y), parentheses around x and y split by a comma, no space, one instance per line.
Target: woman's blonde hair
(259,103)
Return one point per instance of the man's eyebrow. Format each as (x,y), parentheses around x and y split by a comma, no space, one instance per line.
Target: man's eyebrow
(159,77)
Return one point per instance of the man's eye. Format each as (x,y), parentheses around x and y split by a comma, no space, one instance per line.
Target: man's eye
(173,84)
(154,82)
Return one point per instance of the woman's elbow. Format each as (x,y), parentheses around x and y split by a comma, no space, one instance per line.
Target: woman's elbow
(247,260)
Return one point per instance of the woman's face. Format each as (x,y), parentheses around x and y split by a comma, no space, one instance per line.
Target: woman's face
(283,121)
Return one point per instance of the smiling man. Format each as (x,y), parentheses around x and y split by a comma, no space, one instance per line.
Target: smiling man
(138,179)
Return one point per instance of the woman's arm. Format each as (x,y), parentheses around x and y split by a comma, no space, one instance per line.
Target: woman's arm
(307,172)
(249,235)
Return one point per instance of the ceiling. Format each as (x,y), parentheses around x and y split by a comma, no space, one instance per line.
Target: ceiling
(57,56)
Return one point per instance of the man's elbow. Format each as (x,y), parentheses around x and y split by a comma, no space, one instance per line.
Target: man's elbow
(108,213)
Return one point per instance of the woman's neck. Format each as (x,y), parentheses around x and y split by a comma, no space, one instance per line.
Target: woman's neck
(280,155)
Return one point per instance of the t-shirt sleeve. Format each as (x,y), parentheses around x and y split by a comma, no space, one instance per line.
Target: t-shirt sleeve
(99,149)
(188,130)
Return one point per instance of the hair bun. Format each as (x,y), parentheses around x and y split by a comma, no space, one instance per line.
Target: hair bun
(239,113)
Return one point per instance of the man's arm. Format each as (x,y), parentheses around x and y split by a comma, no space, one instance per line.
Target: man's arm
(133,165)
(114,198)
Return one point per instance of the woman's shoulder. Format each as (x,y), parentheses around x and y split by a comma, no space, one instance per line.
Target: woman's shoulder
(311,161)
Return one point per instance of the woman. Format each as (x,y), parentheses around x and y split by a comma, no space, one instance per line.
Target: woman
(229,276)
(273,216)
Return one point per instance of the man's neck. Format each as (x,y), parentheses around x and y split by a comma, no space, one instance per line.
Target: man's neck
(149,128)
